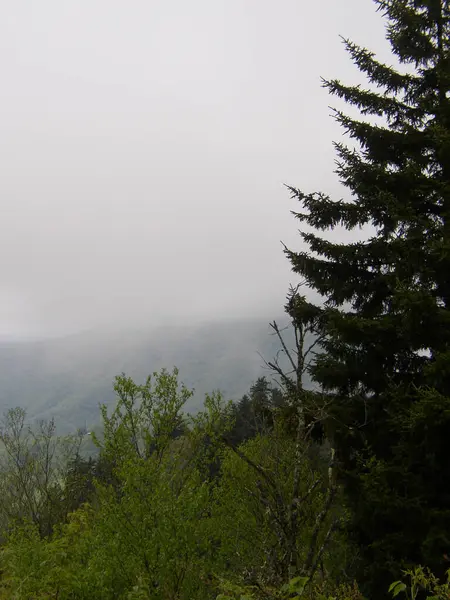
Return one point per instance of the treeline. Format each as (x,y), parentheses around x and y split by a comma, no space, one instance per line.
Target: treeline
(173,506)
(335,492)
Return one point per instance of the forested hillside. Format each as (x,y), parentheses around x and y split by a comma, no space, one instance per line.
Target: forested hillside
(68,378)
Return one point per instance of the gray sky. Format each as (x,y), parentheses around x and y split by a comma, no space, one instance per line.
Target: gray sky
(143,148)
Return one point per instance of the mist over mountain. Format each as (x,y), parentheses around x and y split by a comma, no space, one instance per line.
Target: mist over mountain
(66,378)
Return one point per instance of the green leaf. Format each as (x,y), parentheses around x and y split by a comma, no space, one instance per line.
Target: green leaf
(393,585)
(396,588)
(296,585)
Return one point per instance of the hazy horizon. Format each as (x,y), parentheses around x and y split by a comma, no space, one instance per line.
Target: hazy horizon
(144,147)
(145,327)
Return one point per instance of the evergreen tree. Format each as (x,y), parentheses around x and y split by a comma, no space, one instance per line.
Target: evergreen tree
(244,421)
(261,402)
(254,412)
(386,317)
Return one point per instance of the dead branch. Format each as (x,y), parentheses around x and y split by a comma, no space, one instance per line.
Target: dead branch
(322,550)
(283,344)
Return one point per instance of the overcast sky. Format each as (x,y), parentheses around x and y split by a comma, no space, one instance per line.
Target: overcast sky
(143,150)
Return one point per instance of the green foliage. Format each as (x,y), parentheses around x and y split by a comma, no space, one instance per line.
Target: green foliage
(146,417)
(36,567)
(297,588)
(270,525)
(294,590)
(421,583)
(246,503)
(33,468)
(153,524)
(148,531)
(150,521)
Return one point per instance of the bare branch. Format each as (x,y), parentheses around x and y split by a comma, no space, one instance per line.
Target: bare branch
(316,342)
(252,464)
(282,342)
(300,501)
(322,549)
(317,527)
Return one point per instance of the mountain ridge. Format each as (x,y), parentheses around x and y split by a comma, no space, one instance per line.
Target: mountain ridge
(68,377)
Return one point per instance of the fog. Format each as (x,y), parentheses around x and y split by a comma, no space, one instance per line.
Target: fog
(143,150)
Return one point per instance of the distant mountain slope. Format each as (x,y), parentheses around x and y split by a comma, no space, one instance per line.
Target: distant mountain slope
(67,378)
